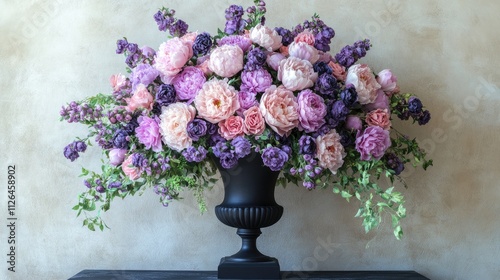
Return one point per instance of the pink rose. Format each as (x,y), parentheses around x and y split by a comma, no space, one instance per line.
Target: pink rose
(172,56)
(118,82)
(254,123)
(173,125)
(338,71)
(362,78)
(303,51)
(379,117)
(312,110)
(116,156)
(216,101)
(373,142)
(131,171)
(274,59)
(226,61)
(265,37)
(305,36)
(231,127)
(387,81)
(329,151)
(280,109)
(353,123)
(141,98)
(380,102)
(296,74)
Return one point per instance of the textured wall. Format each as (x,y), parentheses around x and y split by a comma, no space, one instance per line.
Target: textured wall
(445,51)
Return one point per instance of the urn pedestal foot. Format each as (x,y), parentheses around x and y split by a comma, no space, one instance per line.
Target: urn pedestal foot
(230,269)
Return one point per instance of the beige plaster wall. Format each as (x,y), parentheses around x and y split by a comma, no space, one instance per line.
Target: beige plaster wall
(52,52)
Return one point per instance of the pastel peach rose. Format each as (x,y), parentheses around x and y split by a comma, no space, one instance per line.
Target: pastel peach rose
(338,71)
(118,81)
(254,123)
(226,60)
(280,109)
(141,98)
(303,51)
(379,117)
(329,151)
(265,37)
(128,169)
(216,101)
(362,78)
(296,73)
(173,125)
(172,56)
(305,36)
(231,127)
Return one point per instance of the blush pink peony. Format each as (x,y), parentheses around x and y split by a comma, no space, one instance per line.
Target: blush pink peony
(172,56)
(362,78)
(387,81)
(226,61)
(265,37)
(216,101)
(141,98)
(305,36)
(303,51)
(231,127)
(280,109)
(296,74)
(329,151)
(173,125)
(254,123)
(379,117)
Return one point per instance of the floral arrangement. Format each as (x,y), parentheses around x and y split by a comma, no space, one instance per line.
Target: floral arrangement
(324,121)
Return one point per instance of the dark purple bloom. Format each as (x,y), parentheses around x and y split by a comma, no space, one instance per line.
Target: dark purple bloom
(228,160)
(202,44)
(347,139)
(132,125)
(179,28)
(120,139)
(211,128)
(165,95)
(80,146)
(242,146)
(100,189)
(234,21)
(220,148)
(87,184)
(287,149)
(322,67)
(160,21)
(414,105)
(139,160)
(197,128)
(132,48)
(286,35)
(338,113)
(307,145)
(348,55)
(405,115)
(424,118)
(349,96)
(121,46)
(215,138)
(394,163)
(193,154)
(256,58)
(326,85)
(70,152)
(274,158)
(114,185)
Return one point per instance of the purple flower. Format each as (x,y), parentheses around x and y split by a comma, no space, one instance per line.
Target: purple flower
(424,118)
(394,163)
(116,156)
(256,58)
(414,105)
(132,48)
(139,160)
(165,95)
(274,158)
(347,139)
(120,139)
(255,81)
(326,85)
(353,123)
(189,82)
(321,68)
(195,155)
(202,44)
(348,55)
(234,21)
(115,185)
(242,146)
(220,148)
(197,128)
(179,28)
(148,52)
(229,160)
(80,146)
(349,96)
(241,41)
(247,100)
(70,152)
(286,35)
(143,74)
(287,149)
(307,145)
(373,142)
(148,133)
(380,102)
(312,110)
(338,113)
(161,21)
(121,46)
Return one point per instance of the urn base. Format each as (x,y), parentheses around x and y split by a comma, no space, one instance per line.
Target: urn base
(230,269)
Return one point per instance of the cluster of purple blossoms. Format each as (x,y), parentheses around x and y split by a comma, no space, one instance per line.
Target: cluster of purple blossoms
(326,85)
(349,96)
(197,128)
(413,108)
(119,115)
(160,165)
(348,55)
(234,20)
(131,50)
(252,12)
(274,158)
(394,163)
(120,139)
(286,35)
(165,20)
(337,113)
(104,135)
(323,34)
(164,194)
(192,154)
(229,153)
(309,171)
(76,112)
(322,67)
(256,58)
(307,145)
(72,150)
(202,44)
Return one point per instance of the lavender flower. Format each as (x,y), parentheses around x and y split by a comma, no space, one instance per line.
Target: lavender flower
(70,152)
(120,139)
(179,28)
(132,48)
(80,146)
(115,185)
(139,160)
(143,74)
(307,145)
(338,113)
(286,35)
(196,129)
(242,146)
(256,58)
(349,96)
(241,41)
(202,44)
(348,55)
(165,95)
(192,154)
(121,46)
(234,21)
(321,68)
(229,160)
(326,85)
(274,158)
(256,81)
